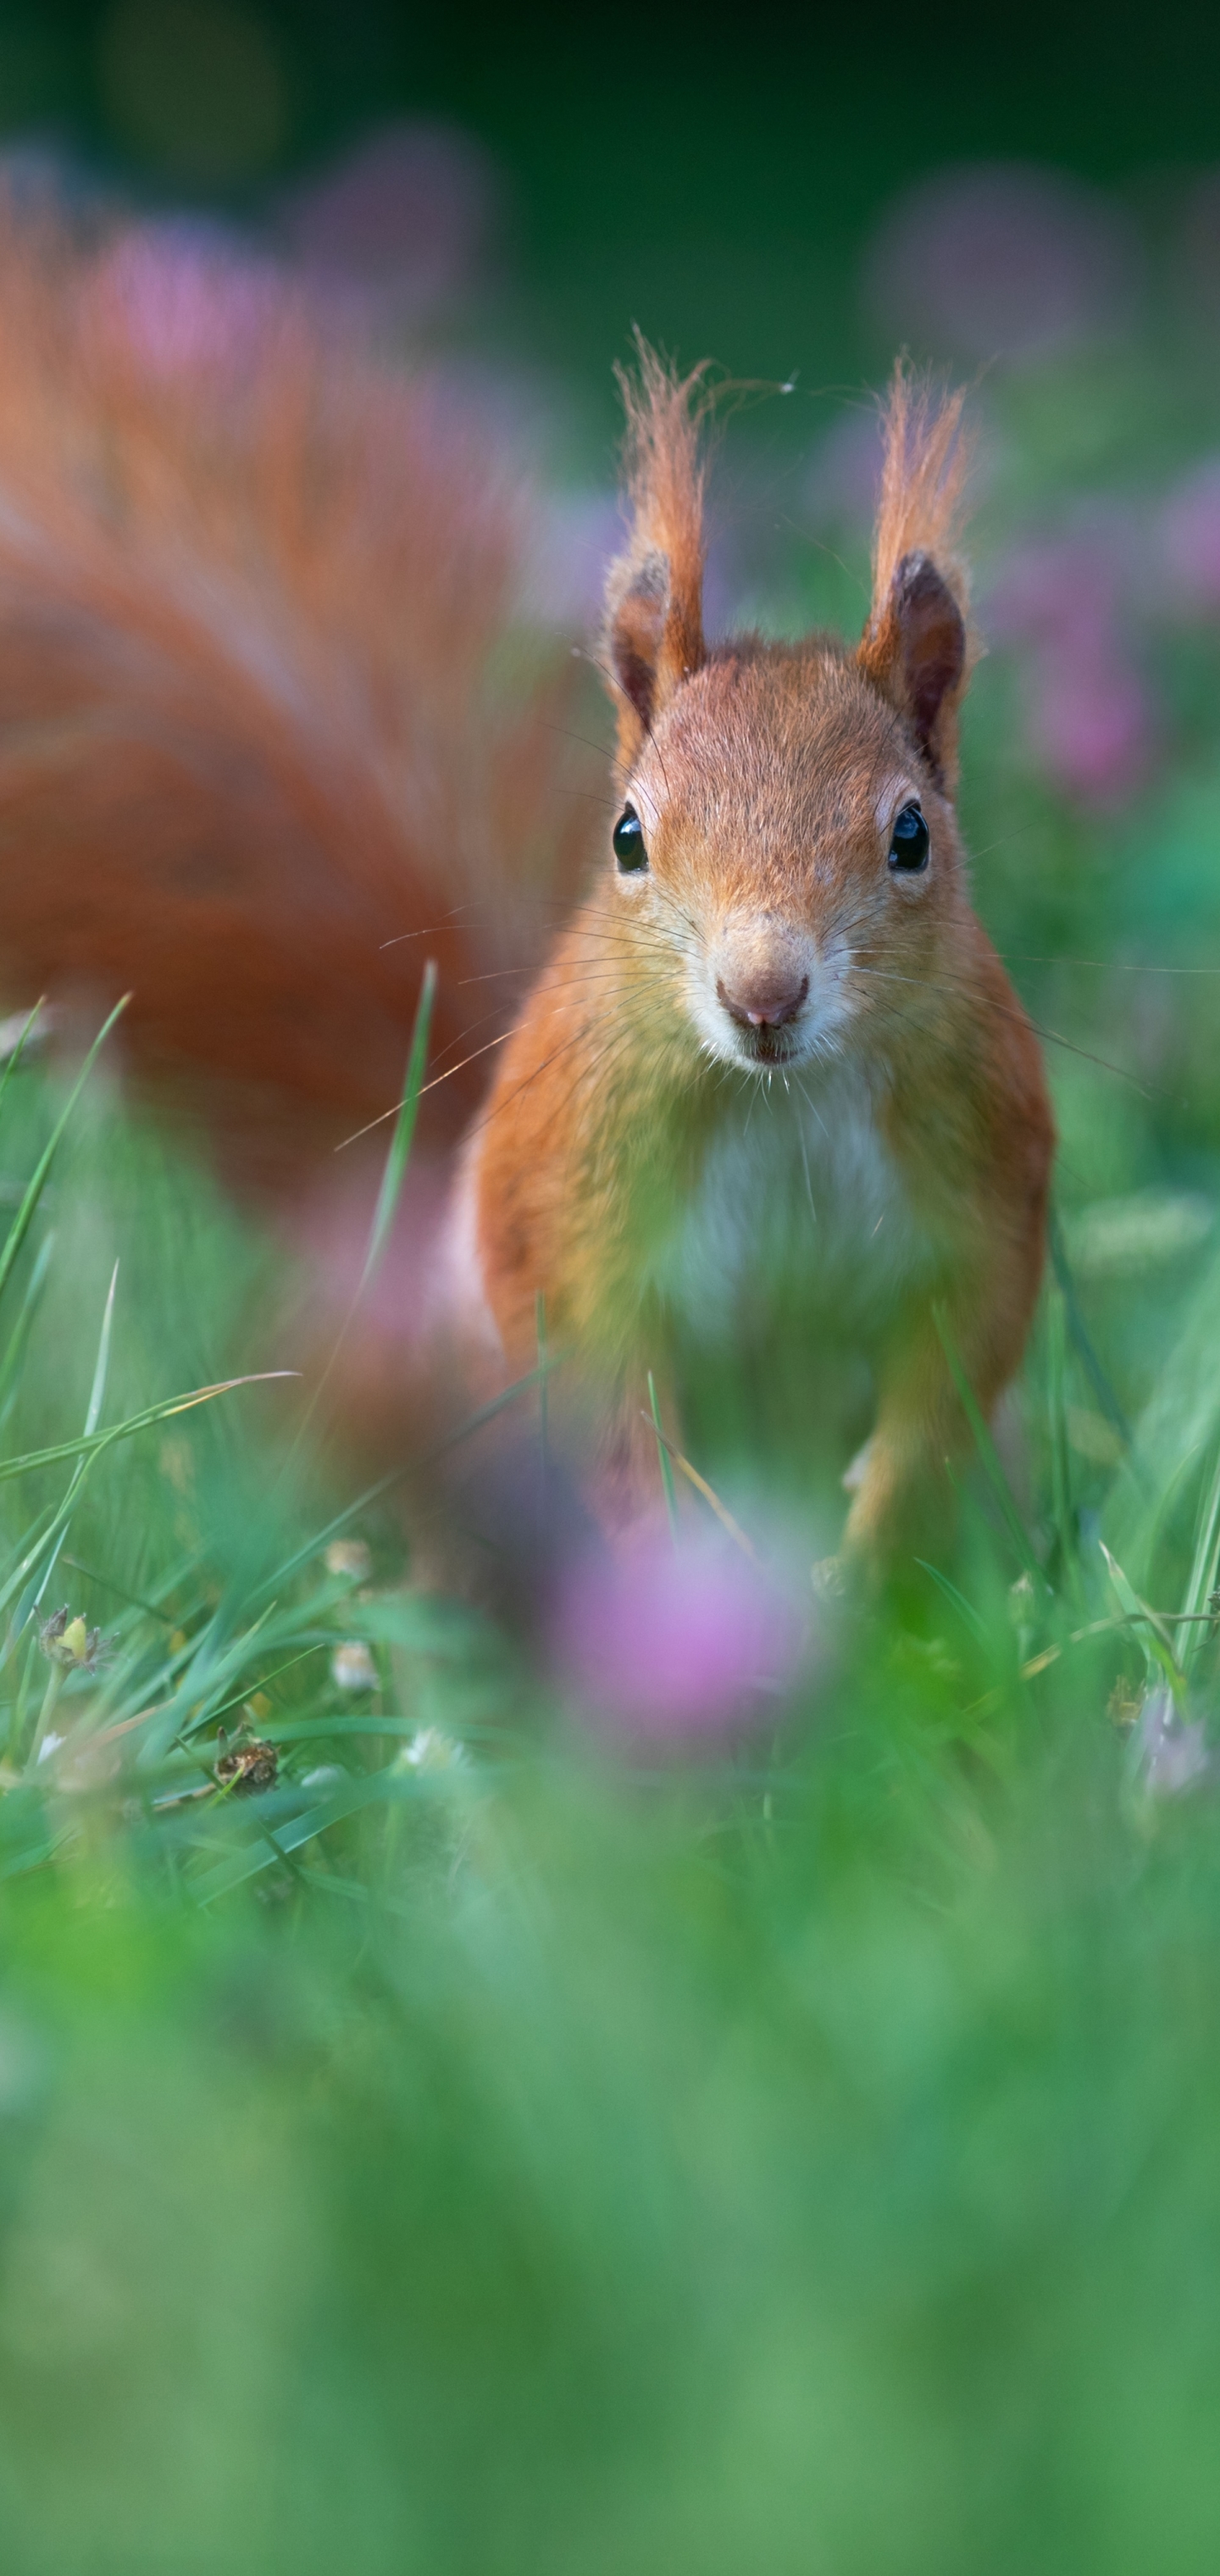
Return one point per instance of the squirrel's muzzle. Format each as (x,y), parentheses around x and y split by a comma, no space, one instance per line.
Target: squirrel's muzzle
(764,1000)
(761,971)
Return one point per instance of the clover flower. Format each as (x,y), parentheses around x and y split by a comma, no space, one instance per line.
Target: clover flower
(675,1644)
(352,1667)
(1169,1753)
(430,1749)
(349,1557)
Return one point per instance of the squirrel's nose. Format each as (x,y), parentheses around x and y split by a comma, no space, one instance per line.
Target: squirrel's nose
(766,1001)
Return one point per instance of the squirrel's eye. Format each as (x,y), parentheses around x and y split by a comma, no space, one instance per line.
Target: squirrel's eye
(628,841)
(909,843)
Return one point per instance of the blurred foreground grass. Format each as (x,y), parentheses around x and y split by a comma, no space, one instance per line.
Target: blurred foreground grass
(476,2150)
(458,2144)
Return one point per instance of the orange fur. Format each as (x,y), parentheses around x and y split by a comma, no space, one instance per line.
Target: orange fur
(255,592)
(653,637)
(769,935)
(257,715)
(927,460)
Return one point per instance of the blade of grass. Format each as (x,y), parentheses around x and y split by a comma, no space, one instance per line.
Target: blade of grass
(92,1443)
(1062,1509)
(988,1452)
(36,1539)
(404,1129)
(667,1473)
(302,1829)
(37,1182)
(388,1196)
(18,1338)
(14,1059)
(1204,1565)
(86,1451)
(710,1496)
(58,1518)
(102,1363)
(96,1394)
(133,1600)
(969,1617)
(1098,1380)
(1153,1638)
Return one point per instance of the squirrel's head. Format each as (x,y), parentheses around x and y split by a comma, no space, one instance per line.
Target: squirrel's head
(786,838)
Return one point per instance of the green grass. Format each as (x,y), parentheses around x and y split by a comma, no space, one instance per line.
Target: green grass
(477,2152)
(800,2159)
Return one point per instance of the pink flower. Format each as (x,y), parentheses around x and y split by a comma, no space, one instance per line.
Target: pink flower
(183,302)
(1090,723)
(674,1646)
(405,218)
(1190,537)
(567,565)
(1000,257)
(1068,600)
(1067,586)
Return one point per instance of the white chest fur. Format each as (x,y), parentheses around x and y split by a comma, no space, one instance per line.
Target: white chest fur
(798,1184)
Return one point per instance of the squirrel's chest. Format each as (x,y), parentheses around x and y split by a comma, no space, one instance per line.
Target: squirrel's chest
(799,1193)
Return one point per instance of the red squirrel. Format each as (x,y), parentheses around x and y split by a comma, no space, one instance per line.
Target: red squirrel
(782,900)
(262,750)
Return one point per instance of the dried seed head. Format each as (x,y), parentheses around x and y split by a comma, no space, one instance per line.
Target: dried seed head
(68,1643)
(247,1763)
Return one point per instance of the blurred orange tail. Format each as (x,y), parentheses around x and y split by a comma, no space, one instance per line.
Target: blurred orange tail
(259,710)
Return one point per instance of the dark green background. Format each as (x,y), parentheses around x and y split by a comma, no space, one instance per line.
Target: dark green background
(709,174)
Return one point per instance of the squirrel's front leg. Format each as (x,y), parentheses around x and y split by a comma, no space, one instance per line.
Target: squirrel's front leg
(599,1415)
(921,1423)
(613,1440)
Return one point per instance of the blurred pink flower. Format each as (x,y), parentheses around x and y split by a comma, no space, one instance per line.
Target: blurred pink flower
(405,218)
(1000,257)
(184,301)
(1169,1754)
(1067,601)
(577,536)
(1090,722)
(1189,532)
(674,1645)
(1067,585)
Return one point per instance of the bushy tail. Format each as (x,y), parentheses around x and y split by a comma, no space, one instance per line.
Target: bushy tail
(260,711)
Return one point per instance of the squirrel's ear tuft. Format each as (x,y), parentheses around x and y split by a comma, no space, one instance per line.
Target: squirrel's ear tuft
(653,634)
(917,645)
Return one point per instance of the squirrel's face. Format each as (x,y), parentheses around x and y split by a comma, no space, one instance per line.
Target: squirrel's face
(786,856)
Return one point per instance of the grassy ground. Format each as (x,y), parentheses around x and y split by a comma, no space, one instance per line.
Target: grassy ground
(475,2148)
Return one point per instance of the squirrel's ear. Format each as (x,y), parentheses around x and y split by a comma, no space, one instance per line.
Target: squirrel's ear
(917,654)
(653,634)
(917,646)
